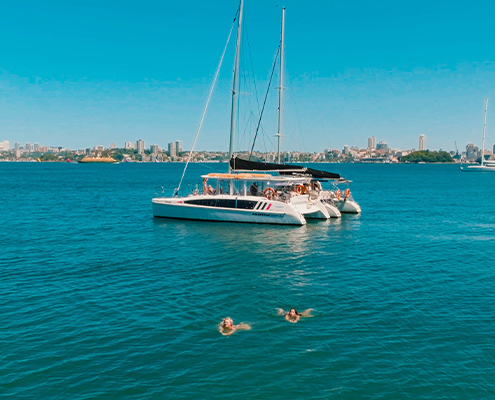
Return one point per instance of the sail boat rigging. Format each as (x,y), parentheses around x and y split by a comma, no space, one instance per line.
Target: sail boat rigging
(243,197)
(483,167)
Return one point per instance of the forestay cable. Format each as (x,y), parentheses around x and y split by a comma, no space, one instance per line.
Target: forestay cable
(264,103)
(206,106)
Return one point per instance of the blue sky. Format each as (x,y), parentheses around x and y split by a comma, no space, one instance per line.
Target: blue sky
(84,73)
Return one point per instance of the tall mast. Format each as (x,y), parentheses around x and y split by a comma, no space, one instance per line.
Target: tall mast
(484,130)
(281,88)
(235,85)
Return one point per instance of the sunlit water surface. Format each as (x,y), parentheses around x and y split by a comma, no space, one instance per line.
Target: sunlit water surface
(100,300)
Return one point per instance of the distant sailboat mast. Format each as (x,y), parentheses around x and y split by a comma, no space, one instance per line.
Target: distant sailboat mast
(235,85)
(281,88)
(484,131)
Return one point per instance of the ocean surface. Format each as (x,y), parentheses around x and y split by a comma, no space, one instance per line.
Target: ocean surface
(99,300)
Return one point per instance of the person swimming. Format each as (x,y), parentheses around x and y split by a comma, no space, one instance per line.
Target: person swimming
(227,327)
(293,316)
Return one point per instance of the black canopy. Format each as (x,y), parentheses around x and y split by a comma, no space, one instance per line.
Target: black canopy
(239,164)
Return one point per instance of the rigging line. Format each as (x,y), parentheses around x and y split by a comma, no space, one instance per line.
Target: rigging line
(252,66)
(207,103)
(295,114)
(264,102)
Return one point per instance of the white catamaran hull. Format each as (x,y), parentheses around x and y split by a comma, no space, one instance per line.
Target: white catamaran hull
(332,210)
(310,208)
(348,206)
(264,211)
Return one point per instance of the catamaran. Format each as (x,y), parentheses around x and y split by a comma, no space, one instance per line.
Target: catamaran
(243,197)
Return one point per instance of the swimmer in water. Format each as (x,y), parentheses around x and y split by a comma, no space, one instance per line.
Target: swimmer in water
(293,316)
(227,327)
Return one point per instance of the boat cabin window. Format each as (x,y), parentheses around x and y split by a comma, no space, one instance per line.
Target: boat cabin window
(229,187)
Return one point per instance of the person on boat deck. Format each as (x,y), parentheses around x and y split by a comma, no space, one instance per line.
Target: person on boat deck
(210,190)
(227,327)
(316,186)
(253,189)
(293,316)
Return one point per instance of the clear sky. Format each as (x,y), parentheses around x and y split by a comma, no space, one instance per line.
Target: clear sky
(84,73)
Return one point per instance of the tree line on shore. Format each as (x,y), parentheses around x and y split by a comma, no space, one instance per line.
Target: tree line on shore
(428,157)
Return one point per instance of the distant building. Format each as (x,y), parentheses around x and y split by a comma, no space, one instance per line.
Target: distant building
(471,151)
(382,146)
(371,143)
(178,147)
(4,146)
(422,142)
(129,146)
(140,146)
(29,147)
(154,149)
(17,150)
(345,150)
(113,146)
(36,147)
(172,149)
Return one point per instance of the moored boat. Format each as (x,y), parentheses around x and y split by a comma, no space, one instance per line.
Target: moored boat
(253,198)
(485,166)
(235,197)
(98,160)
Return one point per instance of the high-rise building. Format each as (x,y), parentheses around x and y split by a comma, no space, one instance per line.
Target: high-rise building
(421,142)
(371,143)
(154,149)
(346,150)
(172,150)
(178,147)
(128,146)
(29,147)
(36,147)
(140,146)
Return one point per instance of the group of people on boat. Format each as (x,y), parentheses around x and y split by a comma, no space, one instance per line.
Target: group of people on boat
(227,326)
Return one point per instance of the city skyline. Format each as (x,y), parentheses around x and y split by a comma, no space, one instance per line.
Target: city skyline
(76,75)
(175,149)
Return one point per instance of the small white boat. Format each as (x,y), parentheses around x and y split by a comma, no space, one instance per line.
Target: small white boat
(485,166)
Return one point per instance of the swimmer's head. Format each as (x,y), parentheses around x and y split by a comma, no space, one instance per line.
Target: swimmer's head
(227,323)
(292,312)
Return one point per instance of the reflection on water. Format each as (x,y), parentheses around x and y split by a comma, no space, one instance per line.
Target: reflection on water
(249,237)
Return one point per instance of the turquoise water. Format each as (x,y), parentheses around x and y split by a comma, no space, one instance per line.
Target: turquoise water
(101,301)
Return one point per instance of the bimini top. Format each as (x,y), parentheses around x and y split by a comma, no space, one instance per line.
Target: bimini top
(239,164)
(258,177)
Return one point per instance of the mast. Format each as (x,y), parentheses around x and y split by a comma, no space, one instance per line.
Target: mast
(281,88)
(235,85)
(484,130)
